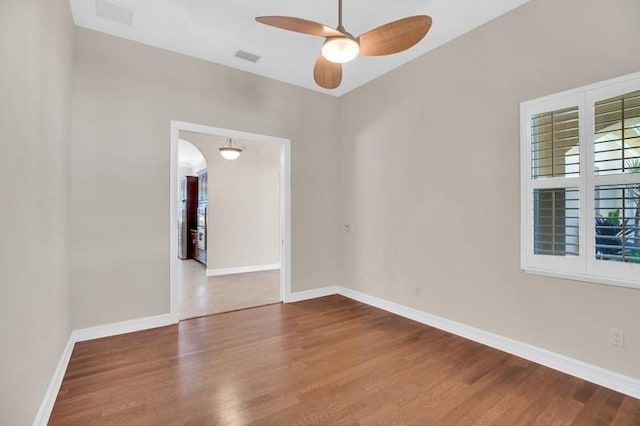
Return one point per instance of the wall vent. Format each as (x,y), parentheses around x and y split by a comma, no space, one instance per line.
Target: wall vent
(114,12)
(247,56)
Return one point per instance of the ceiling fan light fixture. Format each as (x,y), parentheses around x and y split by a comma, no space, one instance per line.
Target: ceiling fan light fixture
(340,49)
(230,152)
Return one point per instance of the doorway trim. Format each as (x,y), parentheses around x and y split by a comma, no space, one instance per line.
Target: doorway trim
(285,203)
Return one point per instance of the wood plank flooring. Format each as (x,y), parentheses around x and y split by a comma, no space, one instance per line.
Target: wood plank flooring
(324,361)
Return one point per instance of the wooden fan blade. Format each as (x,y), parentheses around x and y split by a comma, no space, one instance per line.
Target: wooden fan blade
(326,73)
(395,36)
(299,25)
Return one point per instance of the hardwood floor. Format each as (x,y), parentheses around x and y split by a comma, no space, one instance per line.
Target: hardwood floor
(201,295)
(324,361)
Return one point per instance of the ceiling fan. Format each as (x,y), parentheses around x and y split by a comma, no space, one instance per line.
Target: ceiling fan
(340,46)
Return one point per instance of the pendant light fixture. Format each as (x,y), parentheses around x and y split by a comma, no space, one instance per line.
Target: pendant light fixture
(229,151)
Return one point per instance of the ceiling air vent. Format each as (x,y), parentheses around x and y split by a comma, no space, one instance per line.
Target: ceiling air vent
(114,11)
(247,56)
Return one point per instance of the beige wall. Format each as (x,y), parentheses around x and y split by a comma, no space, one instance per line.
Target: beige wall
(125,95)
(243,224)
(35,92)
(431,179)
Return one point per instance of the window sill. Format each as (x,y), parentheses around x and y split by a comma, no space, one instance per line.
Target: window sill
(583,277)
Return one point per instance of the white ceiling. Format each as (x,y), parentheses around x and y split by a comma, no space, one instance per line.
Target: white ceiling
(214,30)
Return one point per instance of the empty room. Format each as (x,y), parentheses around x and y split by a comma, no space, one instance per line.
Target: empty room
(320,212)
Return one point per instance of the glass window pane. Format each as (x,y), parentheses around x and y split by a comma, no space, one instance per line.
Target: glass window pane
(555,144)
(617,135)
(618,222)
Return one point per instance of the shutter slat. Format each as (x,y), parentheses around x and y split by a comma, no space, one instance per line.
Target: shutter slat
(617,135)
(555,143)
(556,214)
(617,226)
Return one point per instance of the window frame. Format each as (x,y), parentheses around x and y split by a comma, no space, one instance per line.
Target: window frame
(585,266)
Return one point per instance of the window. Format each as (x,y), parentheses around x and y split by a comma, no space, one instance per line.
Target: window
(580,183)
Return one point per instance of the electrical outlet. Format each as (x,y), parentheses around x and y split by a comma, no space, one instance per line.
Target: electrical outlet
(616,337)
(347,228)
(418,291)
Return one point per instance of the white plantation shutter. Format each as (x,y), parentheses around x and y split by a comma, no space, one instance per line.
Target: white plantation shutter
(617,134)
(617,222)
(555,144)
(581,183)
(556,222)
(615,179)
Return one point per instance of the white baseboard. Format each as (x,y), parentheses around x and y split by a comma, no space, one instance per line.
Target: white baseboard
(299,296)
(123,327)
(242,269)
(565,364)
(44,412)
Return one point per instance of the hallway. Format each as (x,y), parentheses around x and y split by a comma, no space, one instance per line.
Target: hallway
(201,295)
